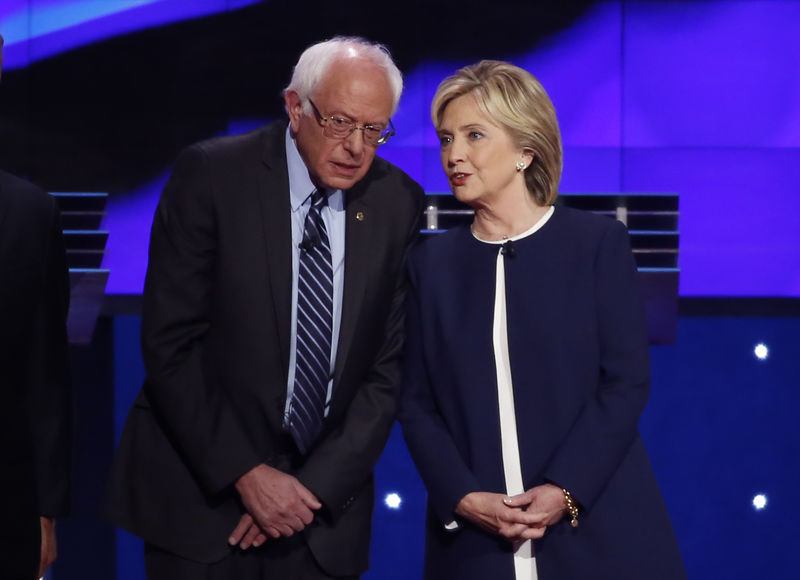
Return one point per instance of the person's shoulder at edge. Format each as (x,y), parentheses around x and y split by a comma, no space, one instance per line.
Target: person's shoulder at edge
(242,147)
(582,223)
(24,198)
(10,184)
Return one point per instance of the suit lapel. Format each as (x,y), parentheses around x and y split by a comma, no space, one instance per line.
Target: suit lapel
(358,233)
(273,196)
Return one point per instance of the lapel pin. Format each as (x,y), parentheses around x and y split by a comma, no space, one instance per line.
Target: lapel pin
(360,216)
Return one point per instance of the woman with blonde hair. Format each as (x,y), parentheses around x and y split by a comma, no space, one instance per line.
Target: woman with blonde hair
(526,368)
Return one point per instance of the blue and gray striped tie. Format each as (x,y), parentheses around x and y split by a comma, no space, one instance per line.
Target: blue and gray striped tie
(314,327)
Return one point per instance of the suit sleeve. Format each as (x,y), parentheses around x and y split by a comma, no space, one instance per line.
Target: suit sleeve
(352,449)
(446,476)
(50,392)
(179,287)
(608,424)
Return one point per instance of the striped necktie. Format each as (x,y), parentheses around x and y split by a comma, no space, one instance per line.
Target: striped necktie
(314,327)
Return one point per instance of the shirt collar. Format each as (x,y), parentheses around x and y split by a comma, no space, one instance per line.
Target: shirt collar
(300,184)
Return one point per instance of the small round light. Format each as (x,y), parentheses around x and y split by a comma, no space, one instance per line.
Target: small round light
(761,351)
(760,501)
(393,501)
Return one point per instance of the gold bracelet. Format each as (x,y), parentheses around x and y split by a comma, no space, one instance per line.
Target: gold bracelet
(572,509)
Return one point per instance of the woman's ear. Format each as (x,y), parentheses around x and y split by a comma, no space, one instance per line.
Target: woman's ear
(528,156)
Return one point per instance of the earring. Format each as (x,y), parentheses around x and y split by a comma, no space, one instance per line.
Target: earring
(520,165)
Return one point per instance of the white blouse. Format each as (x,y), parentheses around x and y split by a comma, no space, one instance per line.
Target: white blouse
(524,557)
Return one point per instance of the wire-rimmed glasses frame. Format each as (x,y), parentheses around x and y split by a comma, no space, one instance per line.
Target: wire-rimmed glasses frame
(337,127)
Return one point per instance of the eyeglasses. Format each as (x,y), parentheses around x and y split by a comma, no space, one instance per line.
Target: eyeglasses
(342,127)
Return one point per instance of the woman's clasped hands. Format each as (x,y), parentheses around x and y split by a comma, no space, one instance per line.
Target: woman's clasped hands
(517,518)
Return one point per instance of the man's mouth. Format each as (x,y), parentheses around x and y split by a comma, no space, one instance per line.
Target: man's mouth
(345,168)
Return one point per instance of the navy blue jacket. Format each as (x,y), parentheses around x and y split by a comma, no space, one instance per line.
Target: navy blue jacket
(580,371)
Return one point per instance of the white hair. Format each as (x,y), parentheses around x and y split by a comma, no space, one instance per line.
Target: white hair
(317,58)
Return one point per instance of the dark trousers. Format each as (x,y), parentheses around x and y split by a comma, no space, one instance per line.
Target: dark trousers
(281,559)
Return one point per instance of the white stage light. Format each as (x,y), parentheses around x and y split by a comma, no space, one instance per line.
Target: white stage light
(760,501)
(393,501)
(761,351)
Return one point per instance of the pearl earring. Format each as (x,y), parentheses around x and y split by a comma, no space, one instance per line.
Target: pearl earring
(520,165)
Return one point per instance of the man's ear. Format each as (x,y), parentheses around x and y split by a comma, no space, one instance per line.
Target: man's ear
(294,108)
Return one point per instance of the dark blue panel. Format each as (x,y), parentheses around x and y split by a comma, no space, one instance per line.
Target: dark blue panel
(720,428)
(128,378)
(130,560)
(398,535)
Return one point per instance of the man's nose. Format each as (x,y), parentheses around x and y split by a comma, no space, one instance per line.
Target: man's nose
(354,143)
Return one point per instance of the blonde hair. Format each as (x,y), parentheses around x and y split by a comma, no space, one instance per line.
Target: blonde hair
(514,99)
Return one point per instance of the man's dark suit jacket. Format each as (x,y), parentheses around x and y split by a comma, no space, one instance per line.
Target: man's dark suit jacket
(36,413)
(215,336)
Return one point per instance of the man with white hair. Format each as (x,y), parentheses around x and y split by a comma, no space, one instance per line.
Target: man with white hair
(271,332)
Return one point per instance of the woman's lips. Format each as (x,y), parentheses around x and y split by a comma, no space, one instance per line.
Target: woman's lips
(459,178)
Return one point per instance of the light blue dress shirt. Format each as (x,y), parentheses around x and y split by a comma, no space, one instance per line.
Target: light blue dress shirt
(300,190)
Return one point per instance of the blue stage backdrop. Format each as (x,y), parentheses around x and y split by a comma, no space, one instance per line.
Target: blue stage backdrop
(701,98)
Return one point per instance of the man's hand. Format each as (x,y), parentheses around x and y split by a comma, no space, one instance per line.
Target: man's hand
(278,503)
(247,533)
(48,551)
